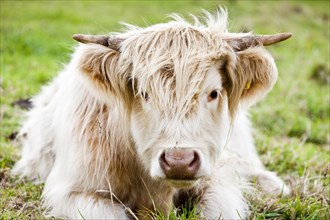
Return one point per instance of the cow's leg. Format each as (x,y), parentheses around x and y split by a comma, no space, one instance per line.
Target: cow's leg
(269,182)
(253,170)
(37,138)
(82,205)
(61,199)
(248,162)
(36,162)
(223,201)
(221,197)
(37,155)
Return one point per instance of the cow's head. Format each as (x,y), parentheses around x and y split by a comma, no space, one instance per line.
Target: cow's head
(182,84)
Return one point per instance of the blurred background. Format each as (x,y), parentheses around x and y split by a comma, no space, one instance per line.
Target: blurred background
(292,123)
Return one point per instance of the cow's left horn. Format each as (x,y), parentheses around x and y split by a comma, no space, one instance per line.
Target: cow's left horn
(242,43)
(104,40)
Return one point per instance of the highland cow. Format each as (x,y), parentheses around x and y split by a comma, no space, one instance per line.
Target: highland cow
(141,118)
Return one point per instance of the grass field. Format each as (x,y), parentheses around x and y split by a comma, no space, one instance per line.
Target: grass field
(292,123)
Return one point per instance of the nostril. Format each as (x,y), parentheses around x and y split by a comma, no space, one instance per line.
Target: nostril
(163,163)
(194,165)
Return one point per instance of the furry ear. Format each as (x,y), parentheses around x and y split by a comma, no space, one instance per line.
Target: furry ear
(252,76)
(258,73)
(104,70)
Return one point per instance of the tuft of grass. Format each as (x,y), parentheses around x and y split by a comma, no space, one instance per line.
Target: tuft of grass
(292,123)
(306,202)
(19,199)
(182,213)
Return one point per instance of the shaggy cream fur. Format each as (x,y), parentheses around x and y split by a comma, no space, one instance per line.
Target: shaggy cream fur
(96,133)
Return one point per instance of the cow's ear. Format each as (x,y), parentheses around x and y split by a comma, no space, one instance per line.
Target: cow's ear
(251,77)
(254,73)
(104,71)
(258,73)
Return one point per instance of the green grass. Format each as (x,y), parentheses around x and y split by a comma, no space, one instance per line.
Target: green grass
(292,123)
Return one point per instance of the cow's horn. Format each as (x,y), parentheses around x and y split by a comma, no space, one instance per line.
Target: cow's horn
(242,43)
(104,40)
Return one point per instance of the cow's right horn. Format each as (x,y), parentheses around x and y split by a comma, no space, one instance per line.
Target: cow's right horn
(107,41)
(242,43)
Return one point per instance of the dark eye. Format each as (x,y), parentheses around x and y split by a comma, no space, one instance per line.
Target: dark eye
(213,95)
(145,96)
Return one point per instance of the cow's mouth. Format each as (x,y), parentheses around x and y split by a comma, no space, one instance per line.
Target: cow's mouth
(182,183)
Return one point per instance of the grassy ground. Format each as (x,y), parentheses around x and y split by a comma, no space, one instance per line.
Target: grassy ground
(292,123)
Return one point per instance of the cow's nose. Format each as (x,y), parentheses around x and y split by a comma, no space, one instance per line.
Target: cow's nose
(180,163)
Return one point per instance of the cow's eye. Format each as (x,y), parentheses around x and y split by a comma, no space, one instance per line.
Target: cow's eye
(213,95)
(145,96)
